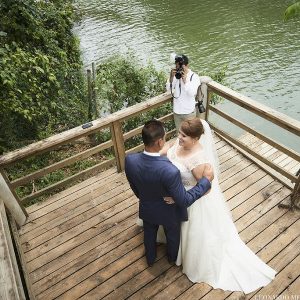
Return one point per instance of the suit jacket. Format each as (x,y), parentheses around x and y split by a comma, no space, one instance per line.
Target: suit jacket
(154,177)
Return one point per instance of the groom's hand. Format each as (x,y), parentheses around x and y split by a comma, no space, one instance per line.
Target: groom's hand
(169,200)
(208,172)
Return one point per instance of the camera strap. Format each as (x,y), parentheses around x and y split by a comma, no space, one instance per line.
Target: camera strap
(179,90)
(199,94)
(179,87)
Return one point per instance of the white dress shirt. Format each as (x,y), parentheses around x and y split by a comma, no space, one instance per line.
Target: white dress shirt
(152,153)
(184,93)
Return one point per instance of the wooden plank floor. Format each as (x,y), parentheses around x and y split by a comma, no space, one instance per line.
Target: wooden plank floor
(279,158)
(84,243)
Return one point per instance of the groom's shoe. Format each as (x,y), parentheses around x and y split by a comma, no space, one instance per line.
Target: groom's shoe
(150,264)
(171,262)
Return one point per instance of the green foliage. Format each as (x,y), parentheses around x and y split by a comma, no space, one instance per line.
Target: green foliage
(41,77)
(121,83)
(219,76)
(292,11)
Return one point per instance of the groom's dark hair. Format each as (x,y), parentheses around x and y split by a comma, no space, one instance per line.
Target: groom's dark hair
(152,131)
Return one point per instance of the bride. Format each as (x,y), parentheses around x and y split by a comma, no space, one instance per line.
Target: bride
(211,250)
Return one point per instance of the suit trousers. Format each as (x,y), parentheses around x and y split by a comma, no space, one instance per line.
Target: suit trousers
(178,118)
(172,233)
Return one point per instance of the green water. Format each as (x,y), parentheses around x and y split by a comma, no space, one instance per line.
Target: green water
(261,52)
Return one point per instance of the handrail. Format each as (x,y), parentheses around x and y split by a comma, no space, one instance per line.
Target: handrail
(264,111)
(254,153)
(114,123)
(78,132)
(10,280)
(271,142)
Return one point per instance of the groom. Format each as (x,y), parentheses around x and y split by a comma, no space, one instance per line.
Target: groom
(153,177)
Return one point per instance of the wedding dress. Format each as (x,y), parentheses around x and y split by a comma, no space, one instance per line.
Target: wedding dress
(211,250)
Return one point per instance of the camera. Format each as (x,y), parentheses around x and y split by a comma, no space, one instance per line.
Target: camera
(180,60)
(201,107)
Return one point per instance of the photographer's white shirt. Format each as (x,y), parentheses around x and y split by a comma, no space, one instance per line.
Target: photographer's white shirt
(184,101)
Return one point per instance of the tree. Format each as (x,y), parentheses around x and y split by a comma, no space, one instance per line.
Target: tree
(292,11)
(41,79)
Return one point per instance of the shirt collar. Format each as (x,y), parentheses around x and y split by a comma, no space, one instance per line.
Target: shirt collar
(151,153)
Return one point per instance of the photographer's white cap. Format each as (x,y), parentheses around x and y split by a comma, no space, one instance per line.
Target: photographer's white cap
(172,57)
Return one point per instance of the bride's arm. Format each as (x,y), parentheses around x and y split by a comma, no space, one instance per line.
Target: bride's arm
(198,172)
(202,170)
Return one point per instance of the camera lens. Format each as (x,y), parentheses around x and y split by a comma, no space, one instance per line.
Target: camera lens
(201,107)
(178,74)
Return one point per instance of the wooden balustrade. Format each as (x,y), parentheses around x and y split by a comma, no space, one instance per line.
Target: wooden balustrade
(11,199)
(11,286)
(265,112)
(259,109)
(114,123)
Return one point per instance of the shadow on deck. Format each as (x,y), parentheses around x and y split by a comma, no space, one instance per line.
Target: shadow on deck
(84,242)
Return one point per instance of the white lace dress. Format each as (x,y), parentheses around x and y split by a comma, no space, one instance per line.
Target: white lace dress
(211,250)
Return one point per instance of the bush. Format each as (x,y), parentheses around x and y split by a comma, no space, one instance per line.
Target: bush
(120,84)
(41,81)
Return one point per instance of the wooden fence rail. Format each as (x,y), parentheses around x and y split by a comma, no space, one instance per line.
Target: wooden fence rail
(114,123)
(11,286)
(265,112)
(259,109)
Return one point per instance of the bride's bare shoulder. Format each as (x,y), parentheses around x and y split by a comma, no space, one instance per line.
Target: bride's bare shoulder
(198,150)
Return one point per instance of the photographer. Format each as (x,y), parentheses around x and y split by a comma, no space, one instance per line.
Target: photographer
(183,84)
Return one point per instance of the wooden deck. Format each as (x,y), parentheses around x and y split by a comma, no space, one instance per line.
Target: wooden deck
(84,243)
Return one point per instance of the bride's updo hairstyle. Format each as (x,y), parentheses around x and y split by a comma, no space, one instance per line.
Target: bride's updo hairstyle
(192,128)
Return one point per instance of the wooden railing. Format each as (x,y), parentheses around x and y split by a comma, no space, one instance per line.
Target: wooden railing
(112,122)
(11,286)
(265,112)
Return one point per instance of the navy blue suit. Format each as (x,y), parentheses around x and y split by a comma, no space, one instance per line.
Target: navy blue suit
(152,178)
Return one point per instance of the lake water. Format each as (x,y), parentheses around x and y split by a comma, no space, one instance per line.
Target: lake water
(261,52)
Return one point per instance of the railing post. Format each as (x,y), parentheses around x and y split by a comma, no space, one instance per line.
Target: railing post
(295,196)
(119,148)
(204,95)
(11,199)
(94,88)
(90,94)
(209,96)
